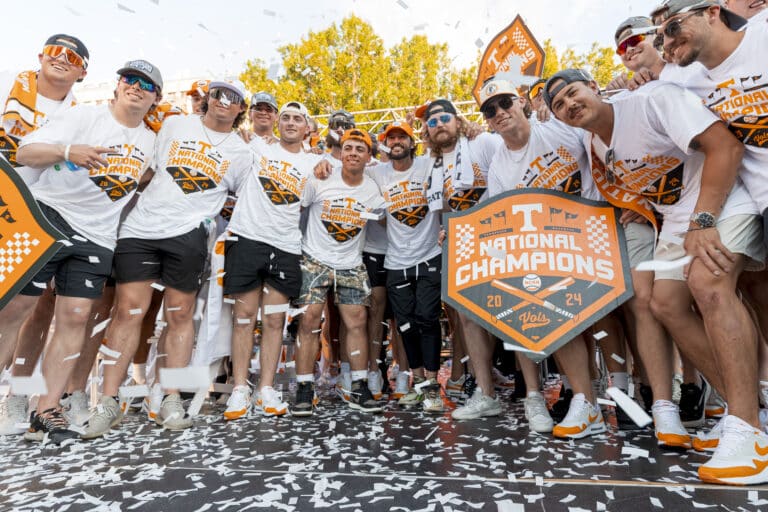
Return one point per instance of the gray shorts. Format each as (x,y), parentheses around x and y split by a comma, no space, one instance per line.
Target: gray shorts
(640,241)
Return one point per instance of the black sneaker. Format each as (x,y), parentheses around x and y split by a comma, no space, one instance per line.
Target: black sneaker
(362,399)
(693,402)
(50,422)
(468,388)
(646,395)
(521,390)
(560,408)
(305,400)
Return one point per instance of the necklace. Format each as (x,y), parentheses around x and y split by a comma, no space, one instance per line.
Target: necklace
(207,136)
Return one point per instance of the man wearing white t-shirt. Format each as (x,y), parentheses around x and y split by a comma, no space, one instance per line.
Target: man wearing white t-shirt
(339,209)
(164,241)
(662,145)
(262,257)
(93,159)
(33,99)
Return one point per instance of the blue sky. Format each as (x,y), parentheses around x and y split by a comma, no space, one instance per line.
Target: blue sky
(215,38)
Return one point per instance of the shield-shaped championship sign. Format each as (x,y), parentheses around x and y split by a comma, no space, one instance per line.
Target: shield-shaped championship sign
(536,267)
(27,239)
(514,46)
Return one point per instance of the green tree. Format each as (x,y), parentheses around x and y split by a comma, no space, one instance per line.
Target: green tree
(603,63)
(551,60)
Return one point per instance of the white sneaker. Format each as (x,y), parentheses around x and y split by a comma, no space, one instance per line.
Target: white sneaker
(270,402)
(741,457)
(106,415)
(13,411)
(172,415)
(374,384)
(478,405)
(536,413)
(715,407)
(708,441)
(501,381)
(239,403)
(669,429)
(344,386)
(583,419)
(151,404)
(75,408)
(433,400)
(402,385)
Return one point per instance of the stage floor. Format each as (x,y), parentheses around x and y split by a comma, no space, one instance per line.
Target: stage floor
(344,460)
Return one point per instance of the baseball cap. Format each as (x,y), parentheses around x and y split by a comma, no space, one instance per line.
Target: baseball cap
(264,97)
(199,88)
(72,43)
(496,87)
(294,106)
(396,125)
(536,88)
(348,117)
(439,105)
(634,25)
(235,86)
(671,7)
(143,68)
(356,134)
(568,76)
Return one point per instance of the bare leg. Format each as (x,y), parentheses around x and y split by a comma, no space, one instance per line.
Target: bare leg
(180,337)
(375,326)
(245,310)
(355,318)
(480,354)
(79,378)
(572,360)
(307,346)
(33,334)
(12,316)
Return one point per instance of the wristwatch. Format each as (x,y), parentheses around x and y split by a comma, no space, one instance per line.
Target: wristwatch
(703,219)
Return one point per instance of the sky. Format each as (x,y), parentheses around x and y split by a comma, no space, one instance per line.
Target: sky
(193,38)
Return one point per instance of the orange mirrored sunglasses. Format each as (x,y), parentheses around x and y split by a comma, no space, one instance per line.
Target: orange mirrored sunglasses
(53,51)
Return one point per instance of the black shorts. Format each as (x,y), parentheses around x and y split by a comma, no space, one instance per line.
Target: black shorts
(249,264)
(178,262)
(79,270)
(374,264)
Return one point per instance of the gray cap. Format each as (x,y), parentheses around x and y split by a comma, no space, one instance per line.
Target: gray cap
(568,76)
(671,7)
(264,97)
(142,68)
(635,25)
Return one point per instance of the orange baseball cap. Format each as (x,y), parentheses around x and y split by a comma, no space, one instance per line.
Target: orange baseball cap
(397,125)
(356,134)
(199,88)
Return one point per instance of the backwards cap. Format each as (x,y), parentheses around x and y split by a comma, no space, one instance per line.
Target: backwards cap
(671,7)
(72,43)
(565,77)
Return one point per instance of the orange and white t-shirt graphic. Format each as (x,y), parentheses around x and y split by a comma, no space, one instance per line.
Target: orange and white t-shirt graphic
(742,102)
(282,182)
(556,170)
(463,199)
(341,218)
(126,164)
(195,166)
(407,202)
(659,179)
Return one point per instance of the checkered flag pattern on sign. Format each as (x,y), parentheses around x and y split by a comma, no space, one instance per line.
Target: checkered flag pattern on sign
(14,251)
(519,38)
(465,242)
(597,234)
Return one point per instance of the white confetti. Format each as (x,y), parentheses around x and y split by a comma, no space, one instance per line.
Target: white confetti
(73,356)
(39,285)
(568,499)
(175,308)
(158,287)
(661,265)
(93,259)
(65,243)
(126,9)
(33,385)
(243,321)
(134,391)
(229,301)
(135,311)
(269,13)
(20,361)
(370,215)
(600,335)
(109,352)
(656,502)
(603,401)
(191,378)
(100,327)
(618,358)
(633,410)
(634,452)
(464,359)
(479,43)
(79,238)
(405,326)
(402,4)
(88,283)
(355,353)
(271,309)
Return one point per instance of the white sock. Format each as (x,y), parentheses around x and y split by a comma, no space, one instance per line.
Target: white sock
(305,377)
(345,367)
(620,380)
(359,375)
(140,373)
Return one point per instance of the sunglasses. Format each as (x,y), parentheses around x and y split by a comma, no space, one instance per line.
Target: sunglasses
(673,28)
(630,42)
(144,85)
(443,118)
(54,51)
(610,166)
(339,123)
(227,95)
(489,111)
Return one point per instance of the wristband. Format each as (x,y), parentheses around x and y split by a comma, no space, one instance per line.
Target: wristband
(66,152)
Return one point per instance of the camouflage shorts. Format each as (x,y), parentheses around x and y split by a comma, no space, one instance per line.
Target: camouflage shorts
(350,286)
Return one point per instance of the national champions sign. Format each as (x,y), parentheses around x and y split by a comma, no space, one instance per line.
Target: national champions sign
(536,267)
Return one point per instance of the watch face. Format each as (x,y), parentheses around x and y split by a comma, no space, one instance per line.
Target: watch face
(704,219)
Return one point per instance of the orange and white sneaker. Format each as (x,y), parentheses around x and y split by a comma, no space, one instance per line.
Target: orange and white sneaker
(270,402)
(583,419)
(501,381)
(375,384)
(239,403)
(715,407)
(669,429)
(151,404)
(708,441)
(741,457)
(402,385)
(344,387)
(455,388)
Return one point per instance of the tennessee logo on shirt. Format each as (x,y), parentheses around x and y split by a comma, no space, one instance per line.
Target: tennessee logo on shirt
(659,179)
(282,182)
(341,218)
(743,104)
(195,166)
(121,177)
(460,200)
(556,170)
(407,202)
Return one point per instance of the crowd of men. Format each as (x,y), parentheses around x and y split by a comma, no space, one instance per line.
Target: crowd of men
(347,242)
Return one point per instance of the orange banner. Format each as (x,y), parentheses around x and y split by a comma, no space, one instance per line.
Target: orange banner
(27,240)
(536,267)
(515,40)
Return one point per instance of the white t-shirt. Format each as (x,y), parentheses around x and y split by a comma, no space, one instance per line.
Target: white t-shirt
(412,229)
(737,91)
(759,18)
(481,149)
(554,158)
(269,201)
(337,221)
(375,234)
(652,132)
(191,181)
(91,200)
